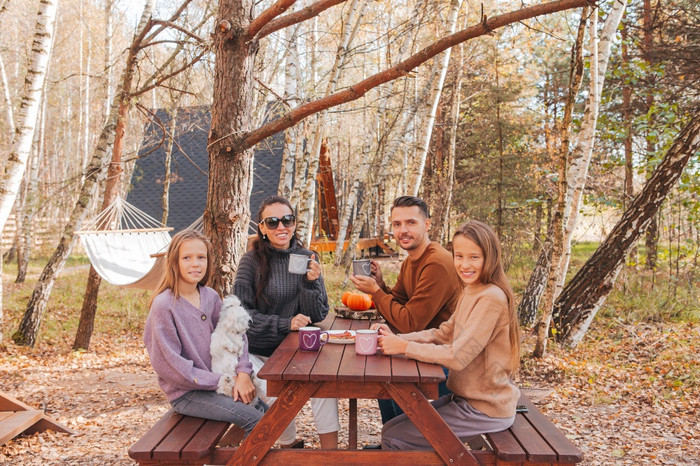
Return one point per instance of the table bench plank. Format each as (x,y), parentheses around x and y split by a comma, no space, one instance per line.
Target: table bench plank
(565,449)
(171,447)
(143,448)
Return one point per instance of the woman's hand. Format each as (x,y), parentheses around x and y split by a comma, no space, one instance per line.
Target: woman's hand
(392,344)
(244,390)
(299,321)
(314,270)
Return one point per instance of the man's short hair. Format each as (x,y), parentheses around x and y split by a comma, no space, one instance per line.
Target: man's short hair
(410,201)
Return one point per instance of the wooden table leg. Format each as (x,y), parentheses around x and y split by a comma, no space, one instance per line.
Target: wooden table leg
(431,425)
(273,423)
(352,424)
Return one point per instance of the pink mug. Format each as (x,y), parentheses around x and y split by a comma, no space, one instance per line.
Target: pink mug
(366,342)
(310,338)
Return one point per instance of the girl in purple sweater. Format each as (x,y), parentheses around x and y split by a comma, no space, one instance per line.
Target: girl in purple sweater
(183,315)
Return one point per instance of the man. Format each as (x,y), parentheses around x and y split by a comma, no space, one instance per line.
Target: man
(427,288)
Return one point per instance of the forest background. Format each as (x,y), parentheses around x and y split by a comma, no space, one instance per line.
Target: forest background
(485,131)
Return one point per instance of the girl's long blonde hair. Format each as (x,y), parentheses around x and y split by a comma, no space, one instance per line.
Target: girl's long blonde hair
(172,270)
(492,273)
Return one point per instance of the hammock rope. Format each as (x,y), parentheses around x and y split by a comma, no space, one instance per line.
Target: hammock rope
(126,246)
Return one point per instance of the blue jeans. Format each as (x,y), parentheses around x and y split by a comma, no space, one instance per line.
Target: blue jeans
(211,405)
(390,409)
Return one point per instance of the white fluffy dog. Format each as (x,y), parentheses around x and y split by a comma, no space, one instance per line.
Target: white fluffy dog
(227,345)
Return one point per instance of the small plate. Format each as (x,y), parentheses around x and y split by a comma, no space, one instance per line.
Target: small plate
(341,337)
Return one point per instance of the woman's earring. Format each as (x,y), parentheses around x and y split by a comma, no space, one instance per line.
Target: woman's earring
(264,236)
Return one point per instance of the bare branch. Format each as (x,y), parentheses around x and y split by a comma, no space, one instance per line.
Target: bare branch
(358,90)
(175,16)
(268,15)
(170,75)
(297,17)
(170,24)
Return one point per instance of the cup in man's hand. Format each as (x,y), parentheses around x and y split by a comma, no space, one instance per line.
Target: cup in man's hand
(362,267)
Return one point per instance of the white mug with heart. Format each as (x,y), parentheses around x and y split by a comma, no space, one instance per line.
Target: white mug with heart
(366,342)
(298,263)
(362,267)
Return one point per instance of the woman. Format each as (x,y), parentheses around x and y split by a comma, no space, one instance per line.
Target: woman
(480,344)
(280,302)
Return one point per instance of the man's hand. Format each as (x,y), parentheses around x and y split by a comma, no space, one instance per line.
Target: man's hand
(364,284)
(299,321)
(244,390)
(377,273)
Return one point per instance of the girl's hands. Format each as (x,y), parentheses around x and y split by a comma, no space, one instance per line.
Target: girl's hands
(244,390)
(383,329)
(391,344)
(314,270)
(299,321)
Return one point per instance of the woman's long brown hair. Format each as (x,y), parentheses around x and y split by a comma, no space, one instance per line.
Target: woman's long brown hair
(172,268)
(492,273)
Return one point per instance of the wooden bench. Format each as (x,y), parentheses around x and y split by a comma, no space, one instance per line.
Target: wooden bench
(177,439)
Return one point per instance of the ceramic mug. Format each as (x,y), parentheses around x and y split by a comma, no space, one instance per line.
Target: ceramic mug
(298,264)
(310,338)
(362,267)
(366,342)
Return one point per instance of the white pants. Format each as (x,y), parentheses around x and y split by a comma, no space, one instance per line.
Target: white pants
(325,410)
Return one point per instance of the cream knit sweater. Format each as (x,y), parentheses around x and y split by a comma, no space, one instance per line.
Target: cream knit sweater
(474,345)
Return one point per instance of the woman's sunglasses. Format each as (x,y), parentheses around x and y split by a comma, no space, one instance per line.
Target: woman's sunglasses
(273,222)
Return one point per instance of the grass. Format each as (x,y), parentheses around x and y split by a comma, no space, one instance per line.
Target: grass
(639,296)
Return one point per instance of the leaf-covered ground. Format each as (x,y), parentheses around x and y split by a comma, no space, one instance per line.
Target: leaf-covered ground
(627,395)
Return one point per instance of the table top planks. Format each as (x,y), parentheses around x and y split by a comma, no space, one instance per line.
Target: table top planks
(340,363)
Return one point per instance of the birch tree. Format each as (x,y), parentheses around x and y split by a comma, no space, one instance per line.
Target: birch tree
(27,115)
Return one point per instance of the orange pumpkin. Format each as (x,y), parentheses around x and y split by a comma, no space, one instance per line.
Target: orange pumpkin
(345,297)
(359,301)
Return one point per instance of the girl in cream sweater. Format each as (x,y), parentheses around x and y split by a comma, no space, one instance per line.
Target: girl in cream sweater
(479,344)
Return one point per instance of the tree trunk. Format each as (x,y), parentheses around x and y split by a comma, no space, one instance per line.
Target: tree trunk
(628,188)
(29,327)
(451,25)
(583,296)
(165,195)
(114,172)
(29,108)
(291,78)
(557,233)
(227,213)
(652,233)
(9,111)
(583,152)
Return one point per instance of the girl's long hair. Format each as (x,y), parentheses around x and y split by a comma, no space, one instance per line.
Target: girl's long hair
(172,268)
(492,273)
(263,249)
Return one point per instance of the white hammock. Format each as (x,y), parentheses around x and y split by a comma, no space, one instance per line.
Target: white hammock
(126,246)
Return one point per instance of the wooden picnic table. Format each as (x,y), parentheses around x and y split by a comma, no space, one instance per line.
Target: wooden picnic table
(336,371)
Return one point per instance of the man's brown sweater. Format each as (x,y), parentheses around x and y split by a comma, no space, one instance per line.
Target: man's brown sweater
(426,292)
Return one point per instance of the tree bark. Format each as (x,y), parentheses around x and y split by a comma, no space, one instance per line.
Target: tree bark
(557,233)
(29,108)
(583,296)
(583,151)
(652,233)
(628,188)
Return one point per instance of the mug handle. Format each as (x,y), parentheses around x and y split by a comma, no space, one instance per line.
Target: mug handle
(321,340)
